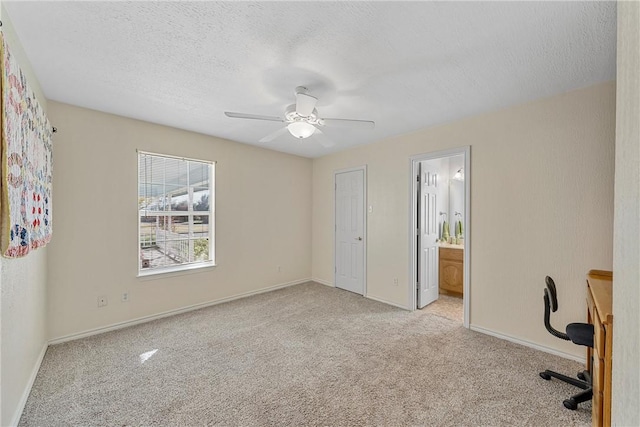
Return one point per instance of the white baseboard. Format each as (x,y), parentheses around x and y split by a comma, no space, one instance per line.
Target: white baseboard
(322,282)
(27,390)
(386,302)
(149,318)
(528,344)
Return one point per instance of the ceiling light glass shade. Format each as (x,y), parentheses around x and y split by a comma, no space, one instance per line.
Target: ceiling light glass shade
(301,129)
(459,176)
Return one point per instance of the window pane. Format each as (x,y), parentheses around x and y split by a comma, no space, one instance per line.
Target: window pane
(152,242)
(200,226)
(178,228)
(151,169)
(177,198)
(200,199)
(152,197)
(198,173)
(175,172)
(147,231)
(201,249)
(178,250)
(172,248)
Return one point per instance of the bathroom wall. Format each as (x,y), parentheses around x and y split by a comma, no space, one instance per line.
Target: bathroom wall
(456,192)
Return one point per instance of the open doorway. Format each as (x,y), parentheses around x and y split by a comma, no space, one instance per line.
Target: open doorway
(440,243)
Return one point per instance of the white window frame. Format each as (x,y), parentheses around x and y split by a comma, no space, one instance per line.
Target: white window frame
(189,213)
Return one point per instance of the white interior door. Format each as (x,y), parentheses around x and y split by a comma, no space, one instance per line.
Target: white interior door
(349,231)
(428,234)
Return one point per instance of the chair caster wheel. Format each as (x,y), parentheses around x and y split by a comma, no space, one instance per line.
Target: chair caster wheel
(570,404)
(545,376)
(581,376)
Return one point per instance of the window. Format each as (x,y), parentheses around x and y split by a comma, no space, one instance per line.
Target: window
(175,213)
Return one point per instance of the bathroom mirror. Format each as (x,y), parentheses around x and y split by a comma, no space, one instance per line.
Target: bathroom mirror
(456,192)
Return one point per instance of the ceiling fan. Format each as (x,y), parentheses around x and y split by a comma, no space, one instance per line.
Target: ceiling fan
(303,121)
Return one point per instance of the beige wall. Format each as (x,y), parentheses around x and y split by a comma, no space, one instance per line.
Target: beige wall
(263,220)
(543,171)
(23,283)
(626,252)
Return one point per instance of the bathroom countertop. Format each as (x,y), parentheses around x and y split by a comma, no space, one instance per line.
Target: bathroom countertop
(450,245)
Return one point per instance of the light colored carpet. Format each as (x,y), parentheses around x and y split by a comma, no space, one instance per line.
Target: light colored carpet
(446,306)
(304,355)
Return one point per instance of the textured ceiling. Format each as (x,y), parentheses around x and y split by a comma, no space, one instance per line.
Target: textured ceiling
(405,65)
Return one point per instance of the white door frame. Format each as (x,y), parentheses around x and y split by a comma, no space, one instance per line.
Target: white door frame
(362,168)
(413,218)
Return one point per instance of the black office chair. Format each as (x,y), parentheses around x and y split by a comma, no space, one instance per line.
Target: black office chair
(578,333)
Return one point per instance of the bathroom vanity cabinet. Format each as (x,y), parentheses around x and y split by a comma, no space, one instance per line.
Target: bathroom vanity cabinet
(451,269)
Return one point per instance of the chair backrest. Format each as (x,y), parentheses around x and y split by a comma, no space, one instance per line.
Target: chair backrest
(551,285)
(551,303)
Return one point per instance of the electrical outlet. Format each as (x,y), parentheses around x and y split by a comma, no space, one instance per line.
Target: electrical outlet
(125,296)
(102,301)
(395,281)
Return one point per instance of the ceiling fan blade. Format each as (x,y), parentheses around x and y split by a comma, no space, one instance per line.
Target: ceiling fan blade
(274,135)
(322,138)
(252,116)
(348,123)
(305,104)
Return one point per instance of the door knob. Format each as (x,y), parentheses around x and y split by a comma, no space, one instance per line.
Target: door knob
(358,238)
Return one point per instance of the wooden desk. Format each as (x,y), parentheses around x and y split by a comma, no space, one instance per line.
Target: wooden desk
(600,314)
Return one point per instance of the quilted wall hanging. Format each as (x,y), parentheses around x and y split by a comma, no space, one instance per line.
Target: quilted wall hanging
(25,203)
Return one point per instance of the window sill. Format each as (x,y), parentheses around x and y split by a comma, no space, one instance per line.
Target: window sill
(175,271)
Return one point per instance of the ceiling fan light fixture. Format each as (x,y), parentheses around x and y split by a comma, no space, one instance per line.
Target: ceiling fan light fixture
(301,129)
(302,120)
